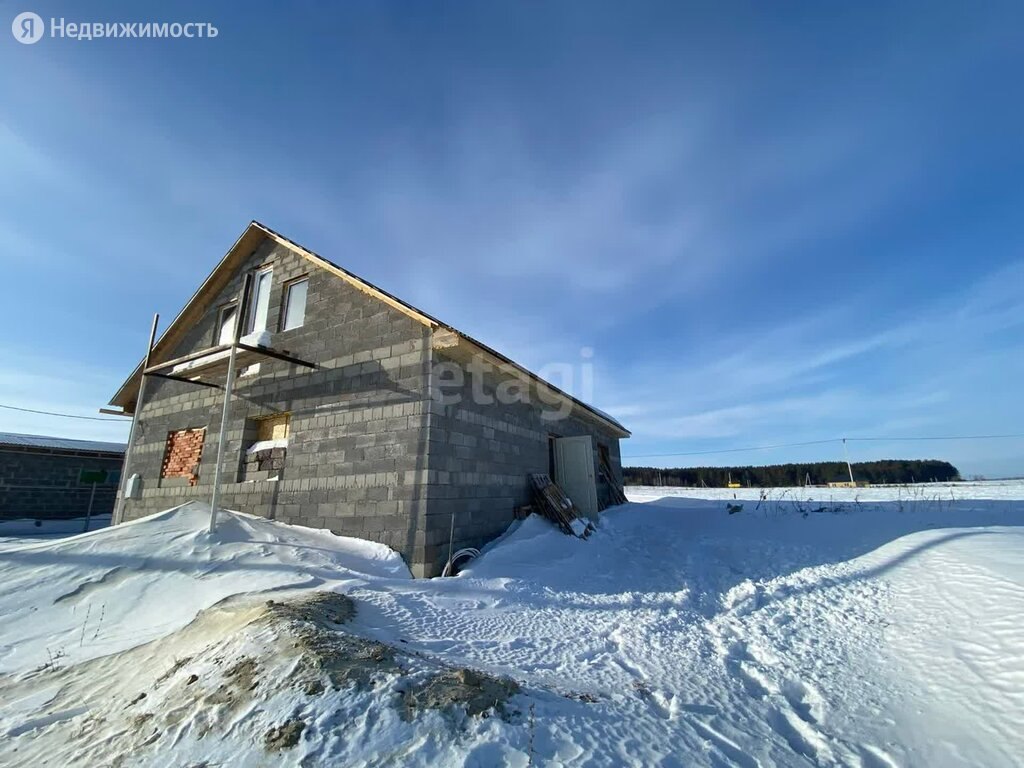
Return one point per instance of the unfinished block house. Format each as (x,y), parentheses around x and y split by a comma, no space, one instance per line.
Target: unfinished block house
(348,410)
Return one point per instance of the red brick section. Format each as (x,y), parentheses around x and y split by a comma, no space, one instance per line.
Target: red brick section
(184,449)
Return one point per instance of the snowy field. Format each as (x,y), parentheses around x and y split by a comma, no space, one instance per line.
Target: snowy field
(868,627)
(922,492)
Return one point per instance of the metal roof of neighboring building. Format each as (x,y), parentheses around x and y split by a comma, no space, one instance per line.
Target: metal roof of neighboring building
(59,443)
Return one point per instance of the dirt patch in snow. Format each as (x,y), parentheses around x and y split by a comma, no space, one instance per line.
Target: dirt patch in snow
(236,686)
(221,674)
(343,659)
(284,736)
(243,674)
(178,664)
(325,653)
(474,692)
(324,609)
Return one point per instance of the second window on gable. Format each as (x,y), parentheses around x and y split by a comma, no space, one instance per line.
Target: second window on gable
(293,314)
(227,316)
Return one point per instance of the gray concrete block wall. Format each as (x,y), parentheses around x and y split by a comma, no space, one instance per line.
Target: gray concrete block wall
(480,456)
(44,484)
(358,422)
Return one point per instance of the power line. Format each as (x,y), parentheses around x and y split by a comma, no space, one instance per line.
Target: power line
(821,442)
(659,455)
(942,437)
(53,413)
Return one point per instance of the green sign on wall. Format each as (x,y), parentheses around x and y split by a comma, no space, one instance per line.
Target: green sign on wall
(92,476)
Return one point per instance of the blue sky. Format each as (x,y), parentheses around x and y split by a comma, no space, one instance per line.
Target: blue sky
(773,222)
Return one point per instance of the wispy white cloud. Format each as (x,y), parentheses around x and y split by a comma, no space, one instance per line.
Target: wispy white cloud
(823,376)
(49,384)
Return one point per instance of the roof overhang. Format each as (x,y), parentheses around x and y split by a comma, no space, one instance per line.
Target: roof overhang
(465,349)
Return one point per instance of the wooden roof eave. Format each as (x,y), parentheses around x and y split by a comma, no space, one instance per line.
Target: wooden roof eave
(459,346)
(246,243)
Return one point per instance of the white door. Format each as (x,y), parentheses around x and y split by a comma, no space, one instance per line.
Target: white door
(574,470)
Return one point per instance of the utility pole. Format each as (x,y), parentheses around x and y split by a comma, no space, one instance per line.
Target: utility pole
(849,467)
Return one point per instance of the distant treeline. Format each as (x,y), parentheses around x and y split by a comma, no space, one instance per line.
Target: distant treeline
(777,475)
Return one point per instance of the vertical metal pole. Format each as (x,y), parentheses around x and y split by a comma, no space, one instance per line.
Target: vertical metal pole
(119,512)
(849,467)
(451,541)
(88,512)
(225,418)
(229,387)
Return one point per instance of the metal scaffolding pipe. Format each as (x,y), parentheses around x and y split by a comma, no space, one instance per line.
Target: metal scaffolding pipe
(119,512)
(225,418)
(229,388)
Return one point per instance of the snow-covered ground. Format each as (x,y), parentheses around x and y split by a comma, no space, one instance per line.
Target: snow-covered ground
(839,629)
(922,492)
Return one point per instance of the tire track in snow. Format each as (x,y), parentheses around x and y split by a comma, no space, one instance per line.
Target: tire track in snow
(725,745)
(801,736)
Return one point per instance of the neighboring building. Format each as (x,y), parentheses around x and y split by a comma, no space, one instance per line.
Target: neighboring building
(51,478)
(353,411)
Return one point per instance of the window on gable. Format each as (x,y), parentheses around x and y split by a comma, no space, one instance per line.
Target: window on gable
(294,314)
(227,316)
(260,300)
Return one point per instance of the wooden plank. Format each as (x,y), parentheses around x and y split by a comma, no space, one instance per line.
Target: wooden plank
(268,352)
(616,492)
(187,358)
(248,359)
(185,380)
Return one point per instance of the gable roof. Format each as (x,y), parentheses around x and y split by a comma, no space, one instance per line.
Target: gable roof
(249,240)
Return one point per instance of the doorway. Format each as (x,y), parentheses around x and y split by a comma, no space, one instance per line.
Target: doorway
(574,472)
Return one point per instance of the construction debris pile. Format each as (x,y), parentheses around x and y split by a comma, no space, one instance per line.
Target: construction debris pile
(550,501)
